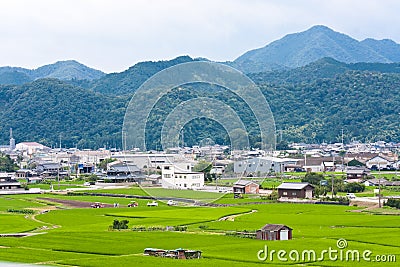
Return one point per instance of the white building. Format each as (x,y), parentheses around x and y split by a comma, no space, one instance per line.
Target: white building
(29,147)
(174,177)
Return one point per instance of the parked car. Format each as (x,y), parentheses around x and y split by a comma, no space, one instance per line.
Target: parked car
(351,195)
(171,203)
(86,183)
(97,205)
(152,204)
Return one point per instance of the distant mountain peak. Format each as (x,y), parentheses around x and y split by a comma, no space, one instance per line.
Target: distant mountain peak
(319,41)
(320,28)
(63,70)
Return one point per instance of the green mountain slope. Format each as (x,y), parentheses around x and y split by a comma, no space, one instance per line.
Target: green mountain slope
(47,108)
(128,81)
(312,103)
(362,103)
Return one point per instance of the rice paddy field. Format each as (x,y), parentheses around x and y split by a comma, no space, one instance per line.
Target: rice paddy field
(62,234)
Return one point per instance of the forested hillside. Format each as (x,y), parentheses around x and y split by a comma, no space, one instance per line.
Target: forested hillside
(310,104)
(364,104)
(45,109)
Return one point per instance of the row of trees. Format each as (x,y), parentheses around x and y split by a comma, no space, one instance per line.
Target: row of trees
(7,164)
(394,203)
(324,185)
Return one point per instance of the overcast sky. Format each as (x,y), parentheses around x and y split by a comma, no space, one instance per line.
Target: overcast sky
(112,35)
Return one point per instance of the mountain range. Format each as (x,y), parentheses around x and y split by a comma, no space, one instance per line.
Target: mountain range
(317,83)
(292,51)
(63,70)
(299,49)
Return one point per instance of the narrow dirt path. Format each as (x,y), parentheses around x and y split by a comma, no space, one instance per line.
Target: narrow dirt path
(232,217)
(46,225)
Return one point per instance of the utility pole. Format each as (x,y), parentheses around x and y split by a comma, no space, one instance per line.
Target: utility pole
(183,140)
(124,141)
(342,138)
(58,174)
(379,182)
(280,135)
(60,142)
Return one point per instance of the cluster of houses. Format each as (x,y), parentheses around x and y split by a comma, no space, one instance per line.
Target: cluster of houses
(173,169)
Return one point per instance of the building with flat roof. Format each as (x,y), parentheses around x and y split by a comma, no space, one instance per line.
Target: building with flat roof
(173,177)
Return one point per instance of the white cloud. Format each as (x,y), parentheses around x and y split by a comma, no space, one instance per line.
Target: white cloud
(112,35)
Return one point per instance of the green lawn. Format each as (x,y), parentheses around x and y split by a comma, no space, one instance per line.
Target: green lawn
(16,223)
(161,192)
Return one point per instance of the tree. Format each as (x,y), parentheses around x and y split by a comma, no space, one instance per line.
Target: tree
(204,167)
(229,168)
(320,190)
(313,178)
(7,164)
(103,164)
(282,145)
(118,225)
(354,187)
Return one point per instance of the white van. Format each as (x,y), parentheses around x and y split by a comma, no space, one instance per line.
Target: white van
(351,195)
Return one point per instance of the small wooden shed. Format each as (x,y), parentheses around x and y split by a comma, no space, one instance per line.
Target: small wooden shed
(296,190)
(246,187)
(274,232)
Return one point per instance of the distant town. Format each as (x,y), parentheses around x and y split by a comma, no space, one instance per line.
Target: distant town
(194,168)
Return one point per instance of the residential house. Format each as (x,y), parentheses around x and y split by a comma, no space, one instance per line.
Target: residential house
(119,172)
(8,183)
(50,170)
(357,172)
(246,187)
(378,163)
(318,164)
(296,190)
(154,179)
(376,182)
(30,176)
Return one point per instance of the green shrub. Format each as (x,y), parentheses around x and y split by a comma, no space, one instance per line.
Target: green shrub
(120,225)
(273,196)
(203,227)
(21,211)
(138,228)
(341,200)
(180,228)
(392,202)
(354,188)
